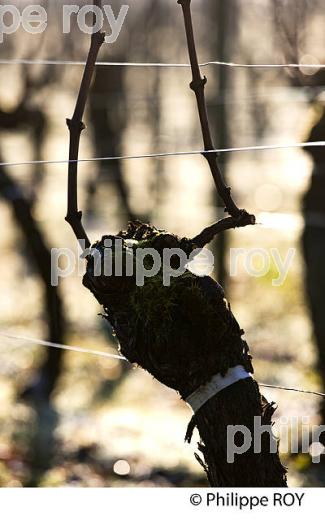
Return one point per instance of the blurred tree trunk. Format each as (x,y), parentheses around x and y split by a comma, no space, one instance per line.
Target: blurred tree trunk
(223,13)
(23,116)
(157,16)
(41,257)
(40,390)
(33,118)
(314,246)
(109,120)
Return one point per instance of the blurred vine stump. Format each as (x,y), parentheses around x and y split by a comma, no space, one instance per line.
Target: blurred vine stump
(184,334)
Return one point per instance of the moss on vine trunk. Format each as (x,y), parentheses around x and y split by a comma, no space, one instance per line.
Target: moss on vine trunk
(184,334)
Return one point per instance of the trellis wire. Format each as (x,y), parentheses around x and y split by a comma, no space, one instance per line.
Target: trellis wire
(122,358)
(167,65)
(309,144)
(63,347)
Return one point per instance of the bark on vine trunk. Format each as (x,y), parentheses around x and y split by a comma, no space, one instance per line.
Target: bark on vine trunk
(237,405)
(184,334)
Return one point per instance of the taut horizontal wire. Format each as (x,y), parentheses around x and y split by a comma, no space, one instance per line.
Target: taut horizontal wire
(167,65)
(63,347)
(319,394)
(122,358)
(173,154)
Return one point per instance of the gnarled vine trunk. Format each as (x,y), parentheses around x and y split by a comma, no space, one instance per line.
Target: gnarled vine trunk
(184,334)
